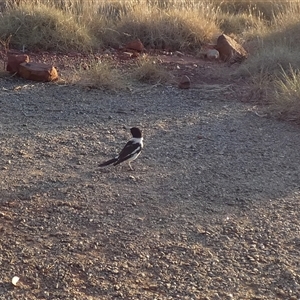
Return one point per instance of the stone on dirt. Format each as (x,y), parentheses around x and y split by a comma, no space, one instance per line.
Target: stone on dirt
(14,61)
(136,45)
(38,71)
(230,50)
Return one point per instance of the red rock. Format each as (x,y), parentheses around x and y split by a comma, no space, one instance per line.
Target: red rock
(136,45)
(38,71)
(229,49)
(14,61)
(184,82)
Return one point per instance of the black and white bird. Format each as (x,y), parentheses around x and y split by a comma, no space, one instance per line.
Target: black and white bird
(131,150)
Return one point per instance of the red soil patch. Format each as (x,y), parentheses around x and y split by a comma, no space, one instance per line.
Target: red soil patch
(198,69)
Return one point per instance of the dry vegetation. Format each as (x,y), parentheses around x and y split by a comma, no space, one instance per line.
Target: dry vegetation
(185,25)
(99,74)
(215,208)
(149,71)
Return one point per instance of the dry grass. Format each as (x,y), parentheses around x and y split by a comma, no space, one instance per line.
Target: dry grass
(270,60)
(173,28)
(286,95)
(266,10)
(239,24)
(278,43)
(273,67)
(150,71)
(106,75)
(99,74)
(178,24)
(44,27)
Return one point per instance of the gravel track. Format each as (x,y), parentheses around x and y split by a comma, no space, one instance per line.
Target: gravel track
(211,210)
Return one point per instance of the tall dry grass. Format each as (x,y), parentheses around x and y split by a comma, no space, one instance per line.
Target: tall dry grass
(161,24)
(44,27)
(276,61)
(173,24)
(286,95)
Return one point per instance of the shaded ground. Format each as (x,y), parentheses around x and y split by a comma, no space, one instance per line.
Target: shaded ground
(210,212)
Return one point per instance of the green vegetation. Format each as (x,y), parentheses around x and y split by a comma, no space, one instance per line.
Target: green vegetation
(88,25)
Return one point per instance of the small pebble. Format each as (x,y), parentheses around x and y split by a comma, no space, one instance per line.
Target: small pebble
(15,280)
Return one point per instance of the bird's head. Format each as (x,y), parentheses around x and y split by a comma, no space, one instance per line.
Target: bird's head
(136,133)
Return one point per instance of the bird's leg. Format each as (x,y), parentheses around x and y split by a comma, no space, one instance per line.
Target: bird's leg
(130,166)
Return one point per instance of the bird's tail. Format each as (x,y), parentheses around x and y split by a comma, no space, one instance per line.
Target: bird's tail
(109,162)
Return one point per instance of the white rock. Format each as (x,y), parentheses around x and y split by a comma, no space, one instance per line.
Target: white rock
(15,280)
(212,54)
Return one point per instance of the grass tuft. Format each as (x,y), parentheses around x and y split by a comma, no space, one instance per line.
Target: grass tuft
(286,96)
(100,75)
(150,71)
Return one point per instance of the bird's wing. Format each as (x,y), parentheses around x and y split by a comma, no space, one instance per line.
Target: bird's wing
(130,149)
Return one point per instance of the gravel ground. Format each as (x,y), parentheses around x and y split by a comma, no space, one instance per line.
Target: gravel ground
(211,210)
